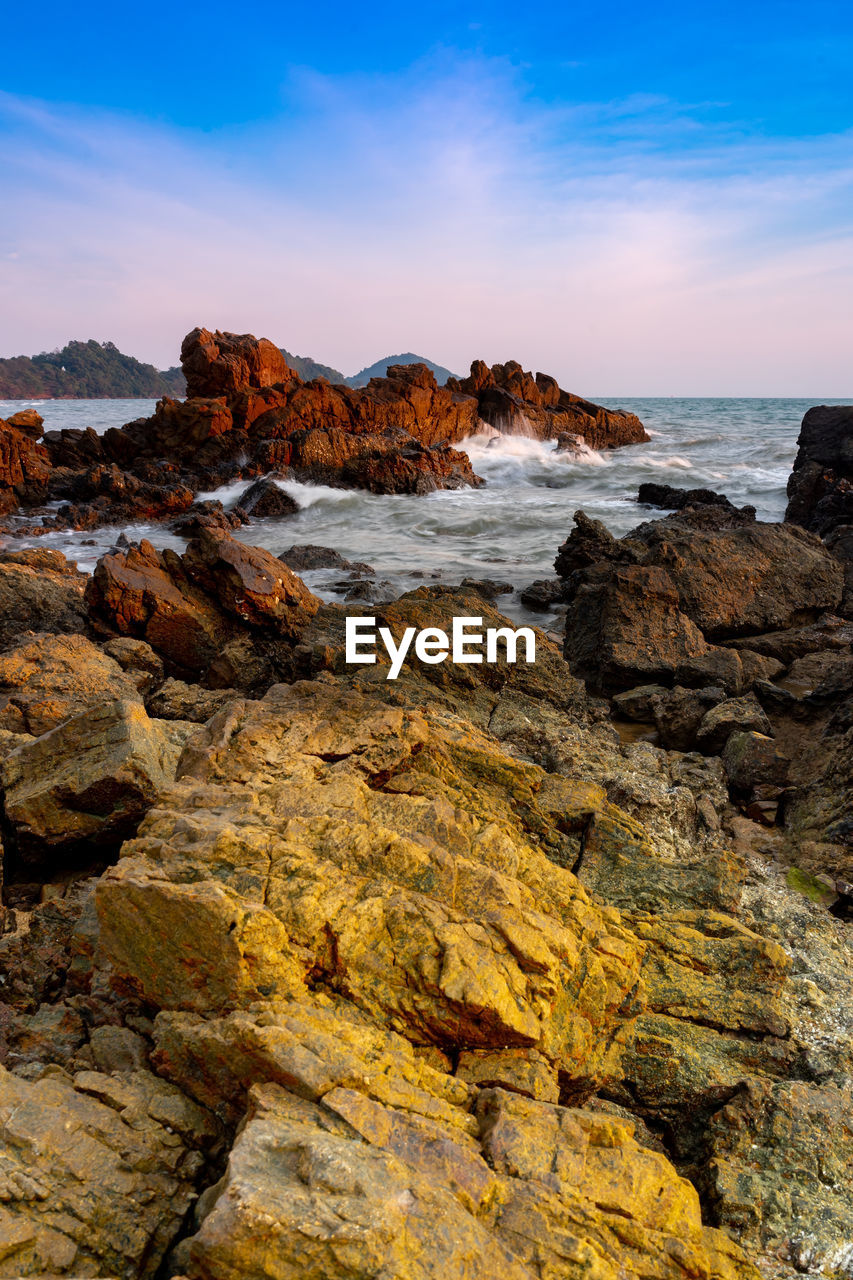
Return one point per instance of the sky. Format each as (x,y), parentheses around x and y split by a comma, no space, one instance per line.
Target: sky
(641,199)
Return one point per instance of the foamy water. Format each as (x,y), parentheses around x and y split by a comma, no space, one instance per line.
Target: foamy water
(511,528)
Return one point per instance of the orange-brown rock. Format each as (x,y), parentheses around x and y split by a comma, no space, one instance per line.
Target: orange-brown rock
(518,403)
(24,467)
(194,610)
(217,364)
(40,591)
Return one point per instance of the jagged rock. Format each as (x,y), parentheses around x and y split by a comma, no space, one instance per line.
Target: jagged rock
(820,487)
(488,588)
(671,498)
(209,514)
(303,557)
(840,543)
(217,364)
(106,494)
(451,966)
(92,778)
(567,442)
(176,700)
(24,468)
(796,1203)
(40,591)
(146,594)
(678,714)
(194,609)
(385,1191)
(47,679)
(542,594)
(390,461)
(733,715)
(96,1174)
(512,400)
(624,627)
(265,498)
(653,606)
(249,583)
(29,421)
(637,703)
(138,659)
(829,632)
(751,758)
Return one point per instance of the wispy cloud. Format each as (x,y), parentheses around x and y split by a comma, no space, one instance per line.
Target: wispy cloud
(630,247)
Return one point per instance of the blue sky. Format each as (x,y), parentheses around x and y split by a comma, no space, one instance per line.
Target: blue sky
(651,199)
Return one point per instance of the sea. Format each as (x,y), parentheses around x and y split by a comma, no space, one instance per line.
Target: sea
(508,530)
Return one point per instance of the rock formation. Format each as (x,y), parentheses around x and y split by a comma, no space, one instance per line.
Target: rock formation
(516,402)
(311,973)
(248,414)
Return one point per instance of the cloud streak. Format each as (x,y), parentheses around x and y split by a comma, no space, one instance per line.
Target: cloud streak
(630,247)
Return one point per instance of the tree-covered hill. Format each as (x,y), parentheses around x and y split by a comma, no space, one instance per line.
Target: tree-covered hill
(307,368)
(86,370)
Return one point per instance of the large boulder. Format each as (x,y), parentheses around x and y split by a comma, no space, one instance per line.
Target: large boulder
(217,364)
(200,611)
(820,487)
(659,604)
(249,583)
(349,1186)
(24,467)
(384,856)
(40,591)
(46,679)
(91,778)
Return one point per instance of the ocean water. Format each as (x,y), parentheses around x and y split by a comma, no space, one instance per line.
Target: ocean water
(510,529)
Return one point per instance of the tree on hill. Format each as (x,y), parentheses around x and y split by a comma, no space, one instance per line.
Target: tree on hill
(86,370)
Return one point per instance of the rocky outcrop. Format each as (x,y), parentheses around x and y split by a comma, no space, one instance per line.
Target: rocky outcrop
(91,778)
(47,679)
(217,364)
(820,487)
(513,401)
(659,604)
(201,611)
(97,1173)
(40,591)
(24,466)
(248,414)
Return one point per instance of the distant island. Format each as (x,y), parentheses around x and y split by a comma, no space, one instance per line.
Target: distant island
(99,371)
(86,371)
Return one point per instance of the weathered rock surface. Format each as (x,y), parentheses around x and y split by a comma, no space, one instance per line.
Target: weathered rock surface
(820,488)
(515,401)
(265,498)
(305,556)
(24,467)
(499,952)
(50,678)
(96,1173)
(216,364)
(40,591)
(352,1187)
(194,610)
(654,606)
(91,778)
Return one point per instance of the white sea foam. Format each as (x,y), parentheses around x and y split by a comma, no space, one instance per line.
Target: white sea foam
(511,527)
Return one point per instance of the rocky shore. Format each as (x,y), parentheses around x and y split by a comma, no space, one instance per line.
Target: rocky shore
(529,972)
(248,415)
